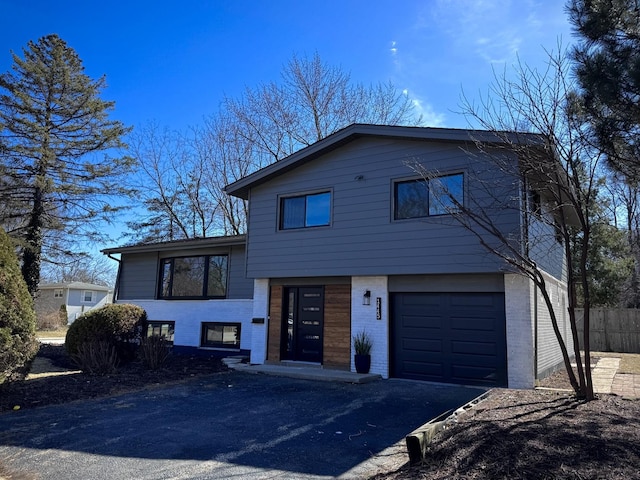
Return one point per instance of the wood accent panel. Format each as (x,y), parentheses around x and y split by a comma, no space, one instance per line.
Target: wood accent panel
(337,326)
(275,323)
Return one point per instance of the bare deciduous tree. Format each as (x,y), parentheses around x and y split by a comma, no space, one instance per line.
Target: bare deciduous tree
(182,177)
(541,151)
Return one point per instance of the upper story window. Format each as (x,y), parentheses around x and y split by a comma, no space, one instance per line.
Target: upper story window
(423,198)
(302,211)
(58,293)
(203,276)
(88,296)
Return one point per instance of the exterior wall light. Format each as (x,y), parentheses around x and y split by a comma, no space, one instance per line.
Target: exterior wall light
(366,298)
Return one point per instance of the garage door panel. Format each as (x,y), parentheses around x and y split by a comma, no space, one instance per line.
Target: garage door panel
(470,300)
(421,321)
(474,348)
(424,369)
(463,333)
(469,373)
(422,345)
(473,324)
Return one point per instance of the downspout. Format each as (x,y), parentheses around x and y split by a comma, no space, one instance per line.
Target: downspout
(535,333)
(116,287)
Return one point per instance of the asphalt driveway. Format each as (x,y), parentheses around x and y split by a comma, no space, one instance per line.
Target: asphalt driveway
(225,426)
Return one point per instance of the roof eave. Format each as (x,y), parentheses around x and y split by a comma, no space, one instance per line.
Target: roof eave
(241,187)
(178,244)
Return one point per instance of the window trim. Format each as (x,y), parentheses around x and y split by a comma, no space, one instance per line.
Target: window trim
(394,197)
(205,284)
(60,291)
(204,344)
(84,296)
(171,327)
(280,204)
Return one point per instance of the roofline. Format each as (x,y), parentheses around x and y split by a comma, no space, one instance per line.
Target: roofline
(241,187)
(173,244)
(70,285)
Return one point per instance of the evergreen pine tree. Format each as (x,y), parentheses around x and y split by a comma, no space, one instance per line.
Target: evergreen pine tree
(18,342)
(607,59)
(55,187)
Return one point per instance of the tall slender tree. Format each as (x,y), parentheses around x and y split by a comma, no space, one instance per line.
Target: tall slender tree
(60,168)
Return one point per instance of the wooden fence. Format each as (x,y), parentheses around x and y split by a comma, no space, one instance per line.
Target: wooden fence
(612,329)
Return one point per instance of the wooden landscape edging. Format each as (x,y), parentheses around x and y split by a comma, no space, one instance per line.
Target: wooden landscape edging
(418,440)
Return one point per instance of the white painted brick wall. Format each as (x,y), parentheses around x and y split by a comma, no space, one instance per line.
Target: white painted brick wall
(189,315)
(260,310)
(549,353)
(521,309)
(518,294)
(363,317)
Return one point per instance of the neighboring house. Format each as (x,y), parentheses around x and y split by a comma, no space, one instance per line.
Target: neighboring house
(78,297)
(344,236)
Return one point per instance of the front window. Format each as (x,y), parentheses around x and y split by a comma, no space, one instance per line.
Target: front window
(313,210)
(161,329)
(194,277)
(423,198)
(221,335)
(87,296)
(58,293)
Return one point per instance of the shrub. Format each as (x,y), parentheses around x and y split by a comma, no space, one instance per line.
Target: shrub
(62,315)
(18,343)
(51,320)
(154,351)
(119,325)
(96,358)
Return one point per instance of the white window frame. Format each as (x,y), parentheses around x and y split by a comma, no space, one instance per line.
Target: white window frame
(84,296)
(58,293)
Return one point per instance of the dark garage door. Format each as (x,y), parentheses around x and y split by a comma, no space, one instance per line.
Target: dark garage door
(449,337)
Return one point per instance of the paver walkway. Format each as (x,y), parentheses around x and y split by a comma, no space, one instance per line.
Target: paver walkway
(606,379)
(626,385)
(603,374)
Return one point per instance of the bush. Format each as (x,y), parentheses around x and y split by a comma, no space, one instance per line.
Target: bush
(96,358)
(18,343)
(48,320)
(119,325)
(62,315)
(154,351)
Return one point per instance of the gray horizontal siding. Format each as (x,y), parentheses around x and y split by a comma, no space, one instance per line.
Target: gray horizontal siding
(363,238)
(138,276)
(139,272)
(447,283)
(239,286)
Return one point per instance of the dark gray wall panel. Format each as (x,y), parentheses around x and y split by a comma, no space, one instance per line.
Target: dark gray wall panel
(363,238)
(139,273)
(138,276)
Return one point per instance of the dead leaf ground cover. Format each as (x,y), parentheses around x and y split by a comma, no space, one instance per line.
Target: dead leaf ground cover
(48,390)
(539,434)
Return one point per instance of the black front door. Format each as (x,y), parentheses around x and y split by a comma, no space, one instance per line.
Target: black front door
(302,324)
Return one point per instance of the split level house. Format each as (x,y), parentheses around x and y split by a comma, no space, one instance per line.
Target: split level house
(359,232)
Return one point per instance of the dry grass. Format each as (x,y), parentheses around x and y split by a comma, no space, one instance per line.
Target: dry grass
(59,332)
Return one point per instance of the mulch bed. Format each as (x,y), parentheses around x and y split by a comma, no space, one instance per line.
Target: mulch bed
(536,434)
(529,434)
(18,392)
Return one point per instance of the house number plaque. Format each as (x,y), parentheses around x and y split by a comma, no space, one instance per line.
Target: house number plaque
(378,308)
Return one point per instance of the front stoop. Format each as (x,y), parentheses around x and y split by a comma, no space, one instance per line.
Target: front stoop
(307,372)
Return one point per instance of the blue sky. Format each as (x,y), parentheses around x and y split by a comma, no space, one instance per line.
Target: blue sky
(173,62)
